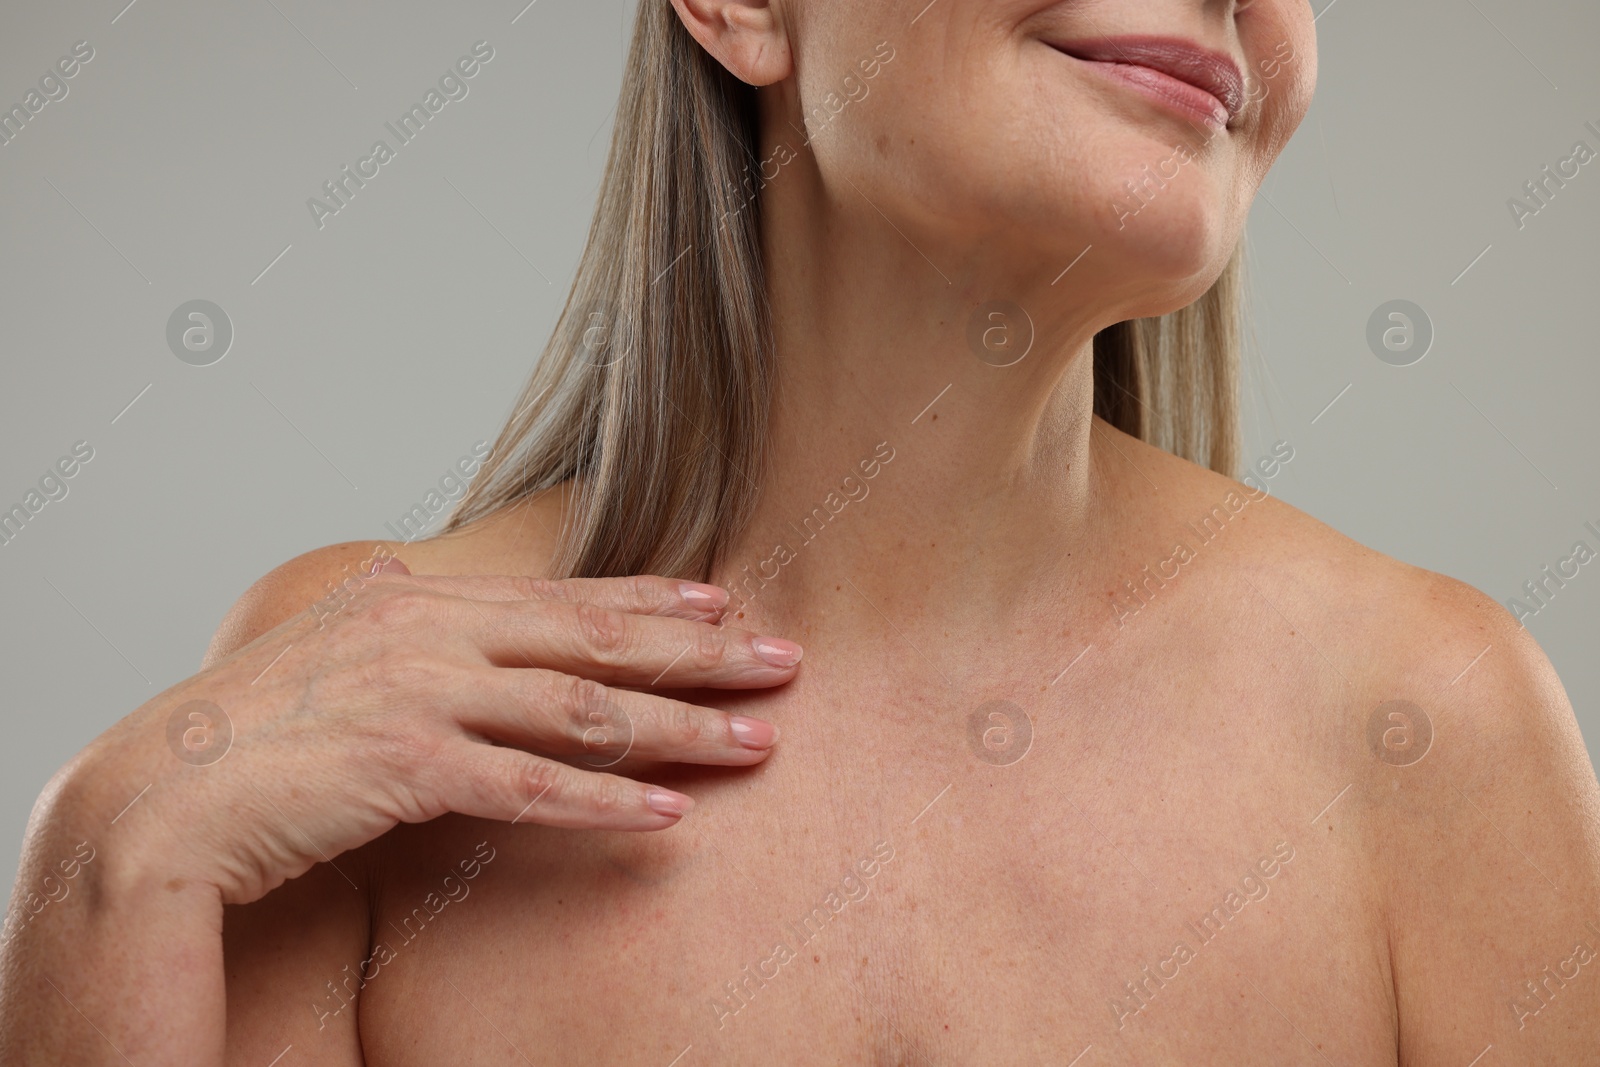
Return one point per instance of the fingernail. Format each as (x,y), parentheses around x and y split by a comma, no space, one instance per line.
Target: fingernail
(666,802)
(777,651)
(392,565)
(753,733)
(703,597)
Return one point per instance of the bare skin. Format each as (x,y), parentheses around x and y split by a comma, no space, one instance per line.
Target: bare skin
(982,899)
(1226,718)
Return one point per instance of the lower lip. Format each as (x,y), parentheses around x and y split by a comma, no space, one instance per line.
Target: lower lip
(1191,102)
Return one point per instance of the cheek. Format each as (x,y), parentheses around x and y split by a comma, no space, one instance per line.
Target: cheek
(1029,161)
(950,122)
(1004,142)
(1276,124)
(1281,39)
(912,144)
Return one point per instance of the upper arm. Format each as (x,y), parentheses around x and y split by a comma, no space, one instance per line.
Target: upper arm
(1491,847)
(293,957)
(293,961)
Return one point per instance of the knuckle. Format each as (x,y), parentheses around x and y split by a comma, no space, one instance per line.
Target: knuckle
(681,725)
(709,646)
(605,634)
(647,590)
(530,588)
(408,753)
(536,781)
(609,795)
(398,607)
(580,699)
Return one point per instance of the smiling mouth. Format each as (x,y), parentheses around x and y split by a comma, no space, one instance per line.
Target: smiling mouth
(1204,85)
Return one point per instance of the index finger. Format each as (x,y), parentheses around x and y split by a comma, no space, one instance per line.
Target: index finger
(636,594)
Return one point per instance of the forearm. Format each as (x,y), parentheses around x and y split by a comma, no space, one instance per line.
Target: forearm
(113,959)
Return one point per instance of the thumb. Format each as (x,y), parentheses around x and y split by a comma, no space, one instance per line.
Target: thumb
(390,565)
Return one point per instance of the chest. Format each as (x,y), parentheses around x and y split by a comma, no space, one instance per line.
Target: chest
(1010,870)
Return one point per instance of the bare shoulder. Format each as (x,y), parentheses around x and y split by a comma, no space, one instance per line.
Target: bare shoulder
(518,539)
(299,585)
(1482,809)
(1469,787)
(1483,812)
(293,956)
(1387,627)
(1373,616)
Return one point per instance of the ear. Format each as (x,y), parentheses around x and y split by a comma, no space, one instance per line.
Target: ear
(745,36)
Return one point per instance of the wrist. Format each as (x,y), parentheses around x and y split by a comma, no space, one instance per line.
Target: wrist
(104,811)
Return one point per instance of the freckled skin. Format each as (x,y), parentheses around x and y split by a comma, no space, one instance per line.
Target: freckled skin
(968,890)
(1020,869)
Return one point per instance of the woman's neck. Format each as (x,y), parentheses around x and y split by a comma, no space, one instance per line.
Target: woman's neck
(904,465)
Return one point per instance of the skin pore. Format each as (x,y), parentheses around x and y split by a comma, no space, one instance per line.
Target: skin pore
(1008,821)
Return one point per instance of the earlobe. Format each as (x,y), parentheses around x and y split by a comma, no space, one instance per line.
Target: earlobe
(745,36)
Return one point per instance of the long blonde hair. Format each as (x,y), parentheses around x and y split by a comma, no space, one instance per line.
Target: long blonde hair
(654,387)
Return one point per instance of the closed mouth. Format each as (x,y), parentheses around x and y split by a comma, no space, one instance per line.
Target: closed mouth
(1153,60)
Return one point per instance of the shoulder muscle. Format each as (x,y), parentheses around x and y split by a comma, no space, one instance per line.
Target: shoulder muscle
(309,582)
(1493,857)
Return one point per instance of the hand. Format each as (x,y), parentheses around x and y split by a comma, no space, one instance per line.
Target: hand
(428,695)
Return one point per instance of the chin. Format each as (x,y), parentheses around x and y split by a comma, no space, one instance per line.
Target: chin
(1162,260)
(1162,200)
(1182,238)
(1160,210)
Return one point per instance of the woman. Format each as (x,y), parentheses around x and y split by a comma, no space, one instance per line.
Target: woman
(920,355)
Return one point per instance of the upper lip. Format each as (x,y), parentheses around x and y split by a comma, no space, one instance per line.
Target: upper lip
(1202,68)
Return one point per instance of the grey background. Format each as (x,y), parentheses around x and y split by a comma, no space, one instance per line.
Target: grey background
(375,352)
